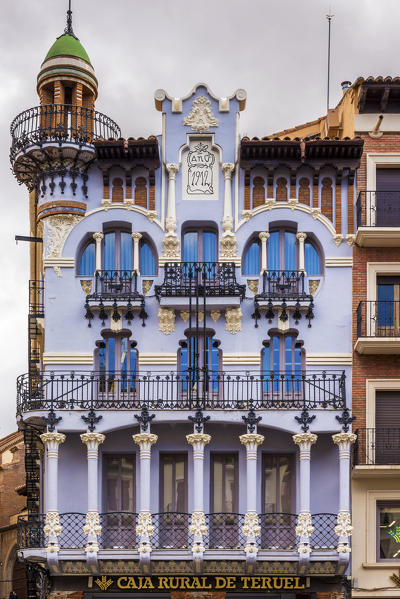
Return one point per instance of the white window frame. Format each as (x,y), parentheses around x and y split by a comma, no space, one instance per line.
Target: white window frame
(389,159)
(375,269)
(371,525)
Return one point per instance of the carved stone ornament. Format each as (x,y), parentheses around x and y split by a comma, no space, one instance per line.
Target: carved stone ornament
(151,215)
(343,527)
(228,245)
(171,245)
(198,524)
(144,526)
(52,529)
(313,285)
(59,226)
(146,286)
(252,284)
(338,239)
(184,315)
(304,526)
(86,286)
(344,440)
(305,440)
(145,440)
(315,212)
(252,440)
(166,320)
(198,440)
(246,215)
(233,320)
(251,526)
(350,239)
(92,524)
(201,116)
(215,314)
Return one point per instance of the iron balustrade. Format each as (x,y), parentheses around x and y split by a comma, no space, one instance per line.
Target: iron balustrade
(62,390)
(60,123)
(172,531)
(377,446)
(283,284)
(36,298)
(378,319)
(210,279)
(378,209)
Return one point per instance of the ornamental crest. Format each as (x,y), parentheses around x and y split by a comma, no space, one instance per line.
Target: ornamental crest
(200,170)
(201,116)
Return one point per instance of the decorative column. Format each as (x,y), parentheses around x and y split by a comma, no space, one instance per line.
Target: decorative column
(251,526)
(263,236)
(301,238)
(98,237)
(170,241)
(52,528)
(304,528)
(145,528)
(198,526)
(344,528)
(92,527)
(228,239)
(136,262)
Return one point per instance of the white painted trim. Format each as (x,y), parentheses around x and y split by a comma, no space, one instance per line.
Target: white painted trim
(371,387)
(163,146)
(237,171)
(340,261)
(383,159)
(61,262)
(249,358)
(153,358)
(240,94)
(345,359)
(379,268)
(56,358)
(373,496)
(123,206)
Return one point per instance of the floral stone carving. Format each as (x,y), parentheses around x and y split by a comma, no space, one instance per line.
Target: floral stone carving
(304,526)
(343,527)
(233,320)
(166,320)
(59,227)
(201,117)
(228,245)
(171,246)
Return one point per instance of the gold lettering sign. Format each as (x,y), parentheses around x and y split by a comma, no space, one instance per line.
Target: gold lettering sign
(202,583)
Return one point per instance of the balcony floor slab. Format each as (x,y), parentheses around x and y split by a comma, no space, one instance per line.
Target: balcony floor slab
(180,302)
(377,345)
(378,236)
(376,471)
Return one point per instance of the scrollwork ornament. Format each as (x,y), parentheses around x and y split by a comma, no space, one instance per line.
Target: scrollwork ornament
(144,526)
(304,526)
(198,524)
(233,320)
(201,117)
(58,228)
(171,246)
(343,527)
(251,526)
(166,320)
(92,524)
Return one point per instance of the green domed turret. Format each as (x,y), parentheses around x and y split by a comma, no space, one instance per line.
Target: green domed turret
(67,45)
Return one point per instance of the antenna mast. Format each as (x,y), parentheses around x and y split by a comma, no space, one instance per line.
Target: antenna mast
(329,17)
(68,28)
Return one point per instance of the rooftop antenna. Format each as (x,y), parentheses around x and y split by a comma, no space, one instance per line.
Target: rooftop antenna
(329,17)
(68,28)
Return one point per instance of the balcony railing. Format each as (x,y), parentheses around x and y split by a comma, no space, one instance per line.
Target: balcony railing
(61,390)
(378,209)
(210,279)
(36,298)
(171,531)
(283,284)
(378,319)
(60,123)
(377,446)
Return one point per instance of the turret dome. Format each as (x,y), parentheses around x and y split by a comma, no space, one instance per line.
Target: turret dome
(67,45)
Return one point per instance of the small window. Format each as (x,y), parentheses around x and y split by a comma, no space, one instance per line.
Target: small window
(117,190)
(117,362)
(119,474)
(147,260)
(88,260)
(388,530)
(251,262)
(282,356)
(200,363)
(311,259)
(200,246)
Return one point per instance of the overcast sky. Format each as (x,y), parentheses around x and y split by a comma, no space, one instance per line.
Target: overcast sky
(275,49)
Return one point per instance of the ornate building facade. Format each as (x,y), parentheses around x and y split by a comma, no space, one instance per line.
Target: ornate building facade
(187,408)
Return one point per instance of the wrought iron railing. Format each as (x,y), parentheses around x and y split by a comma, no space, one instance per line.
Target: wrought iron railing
(377,446)
(36,298)
(280,284)
(172,531)
(61,390)
(60,123)
(378,319)
(378,209)
(210,279)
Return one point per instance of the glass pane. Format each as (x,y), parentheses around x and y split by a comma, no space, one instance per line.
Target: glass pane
(209,246)
(312,261)
(297,368)
(229,485)
(127,484)
(147,260)
(386,305)
(112,484)
(275,355)
(251,265)
(215,368)
(290,251)
(285,490)
(111,354)
(270,487)
(180,490)
(109,251)
(190,242)
(167,491)
(87,263)
(273,251)
(288,362)
(126,251)
(102,359)
(217,485)
(389,528)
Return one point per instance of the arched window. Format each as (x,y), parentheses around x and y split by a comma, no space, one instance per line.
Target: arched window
(117,253)
(116,362)
(141,192)
(87,263)
(147,260)
(200,246)
(258,192)
(282,363)
(281,190)
(312,262)
(251,262)
(200,360)
(117,190)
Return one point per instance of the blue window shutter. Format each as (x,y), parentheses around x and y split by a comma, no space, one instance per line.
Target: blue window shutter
(126,251)
(209,246)
(88,259)
(251,264)
(147,260)
(312,261)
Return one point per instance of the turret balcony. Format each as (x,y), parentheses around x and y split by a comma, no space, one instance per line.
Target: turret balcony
(118,391)
(378,218)
(115,294)
(378,327)
(191,284)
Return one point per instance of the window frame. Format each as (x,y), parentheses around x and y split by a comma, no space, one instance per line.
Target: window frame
(107,456)
(235,500)
(292,461)
(379,505)
(162,456)
(282,350)
(200,246)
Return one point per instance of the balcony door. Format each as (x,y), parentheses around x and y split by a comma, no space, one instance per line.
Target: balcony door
(200,363)
(173,523)
(224,522)
(387,312)
(282,355)
(119,525)
(278,495)
(117,364)
(387,428)
(387,200)
(200,246)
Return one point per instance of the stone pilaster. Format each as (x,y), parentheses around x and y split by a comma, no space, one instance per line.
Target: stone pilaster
(251,527)
(304,527)
(198,526)
(145,528)
(52,528)
(344,529)
(98,239)
(92,527)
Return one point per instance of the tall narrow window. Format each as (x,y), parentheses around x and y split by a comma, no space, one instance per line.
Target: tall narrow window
(258,192)
(251,262)
(312,260)
(387,197)
(282,364)
(224,524)
(385,442)
(119,501)
(388,294)
(141,192)
(117,363)
(147,260)
(173,501)
(117,190)
(87,262)
(200,246)
(200,364)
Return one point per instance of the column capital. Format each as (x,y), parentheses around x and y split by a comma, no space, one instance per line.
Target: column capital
(344,438)
(145,439)
(172,169)
(91,439)
(301,237)
(264,236)
(55,438)
(227,169)
(98,236)
(251,440)
(136,236)
(198,439)
(305,440)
